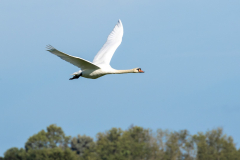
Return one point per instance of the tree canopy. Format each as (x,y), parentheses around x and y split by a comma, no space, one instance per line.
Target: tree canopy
(135,143)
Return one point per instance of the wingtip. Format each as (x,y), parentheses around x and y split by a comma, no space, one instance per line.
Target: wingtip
(119,23)
(49,47)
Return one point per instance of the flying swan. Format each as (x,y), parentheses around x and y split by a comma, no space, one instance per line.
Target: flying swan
(101,62)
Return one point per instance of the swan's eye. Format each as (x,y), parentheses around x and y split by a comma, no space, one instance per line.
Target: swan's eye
(140,71)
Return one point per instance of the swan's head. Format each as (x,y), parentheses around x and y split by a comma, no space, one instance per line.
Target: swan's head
(137,70)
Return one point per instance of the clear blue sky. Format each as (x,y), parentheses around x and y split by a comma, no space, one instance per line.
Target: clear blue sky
(189,50)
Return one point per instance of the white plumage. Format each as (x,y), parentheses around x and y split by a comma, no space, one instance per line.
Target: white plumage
(101,62)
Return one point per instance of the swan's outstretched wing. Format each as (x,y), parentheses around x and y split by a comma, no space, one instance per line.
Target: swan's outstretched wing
(114,39)
(79,62)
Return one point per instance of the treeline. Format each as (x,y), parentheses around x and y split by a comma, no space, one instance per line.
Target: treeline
(135,143)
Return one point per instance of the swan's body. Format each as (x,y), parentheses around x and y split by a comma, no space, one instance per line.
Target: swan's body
(101,62)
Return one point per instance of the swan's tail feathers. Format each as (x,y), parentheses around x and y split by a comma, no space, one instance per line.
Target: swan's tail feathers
(76,75)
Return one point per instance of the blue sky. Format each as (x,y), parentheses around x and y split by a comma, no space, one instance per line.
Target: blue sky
(189,50)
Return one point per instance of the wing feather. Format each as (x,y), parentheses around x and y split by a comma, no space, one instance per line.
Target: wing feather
(79,62)
(114,39)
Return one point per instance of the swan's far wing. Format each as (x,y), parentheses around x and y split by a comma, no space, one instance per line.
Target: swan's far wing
(79,62)
(114,39)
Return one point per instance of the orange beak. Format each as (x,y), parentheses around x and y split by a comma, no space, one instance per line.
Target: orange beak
(140,71)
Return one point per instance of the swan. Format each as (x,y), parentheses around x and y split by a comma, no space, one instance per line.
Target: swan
(101,62)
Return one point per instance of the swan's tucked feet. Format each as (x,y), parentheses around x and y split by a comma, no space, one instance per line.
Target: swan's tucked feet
(75,77)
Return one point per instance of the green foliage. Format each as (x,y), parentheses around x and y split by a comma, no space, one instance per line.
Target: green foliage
(175,145)
(136,143)
(14,154)
(41,154)
(52,154)
(215,146)
(84,146)
(109,145)
(140,143)
(54,137)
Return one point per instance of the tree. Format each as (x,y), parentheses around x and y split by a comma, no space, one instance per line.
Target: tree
(14,154)
(40,154)
(175,145)
(54,137)
(49,145)
(108,144)
(133,144)
(51,154)
(84,146)
(213,145)
(140,143)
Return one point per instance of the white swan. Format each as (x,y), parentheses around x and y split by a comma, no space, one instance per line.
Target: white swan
(101,62)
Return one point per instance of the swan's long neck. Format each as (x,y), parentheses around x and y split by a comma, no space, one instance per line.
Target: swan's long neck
(123,71)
